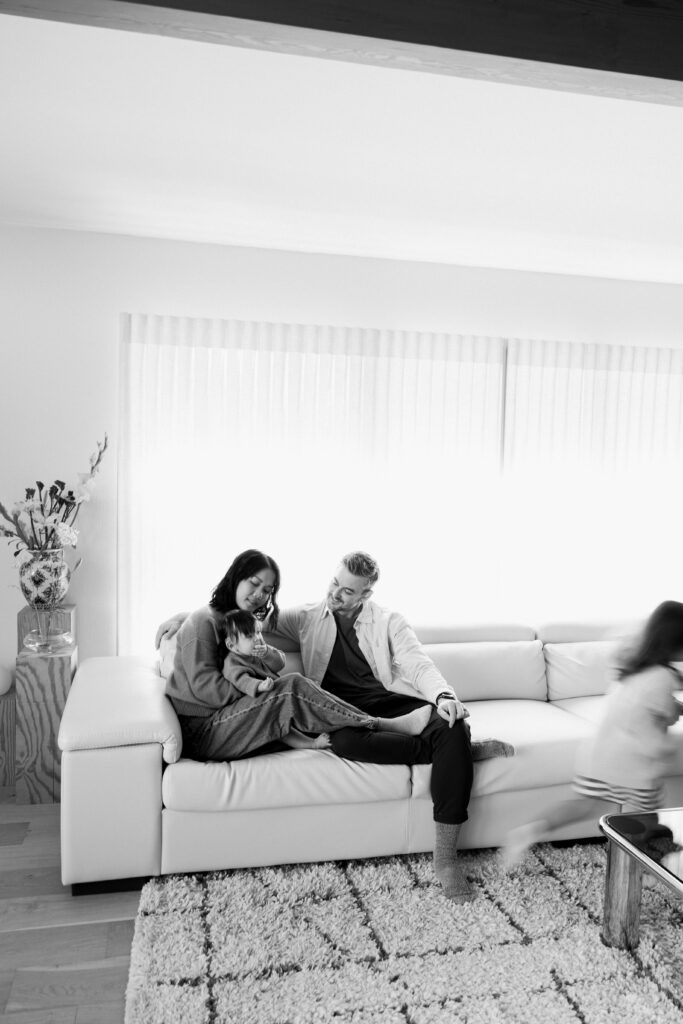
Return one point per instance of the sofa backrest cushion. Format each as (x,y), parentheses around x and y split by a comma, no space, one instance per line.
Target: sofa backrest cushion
(492,669)
(576,630)
(466,632)
(581,669)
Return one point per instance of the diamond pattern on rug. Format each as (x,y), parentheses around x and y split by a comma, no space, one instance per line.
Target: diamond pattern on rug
(375,942)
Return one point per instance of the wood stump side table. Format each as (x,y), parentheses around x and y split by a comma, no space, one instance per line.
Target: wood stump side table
(42,684)
(7,737)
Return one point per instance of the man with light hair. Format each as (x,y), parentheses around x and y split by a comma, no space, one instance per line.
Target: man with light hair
(371,658)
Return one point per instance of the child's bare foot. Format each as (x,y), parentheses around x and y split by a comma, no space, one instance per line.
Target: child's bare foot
(411,724)
(483,749)
(302,741)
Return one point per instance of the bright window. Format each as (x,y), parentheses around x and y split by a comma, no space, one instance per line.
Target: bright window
(491,479)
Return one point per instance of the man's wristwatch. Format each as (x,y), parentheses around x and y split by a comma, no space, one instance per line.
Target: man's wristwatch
(443,696)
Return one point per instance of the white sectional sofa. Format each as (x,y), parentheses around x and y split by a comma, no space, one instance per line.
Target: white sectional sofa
(133,807)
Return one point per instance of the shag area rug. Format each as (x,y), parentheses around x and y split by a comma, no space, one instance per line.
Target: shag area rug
(375,942)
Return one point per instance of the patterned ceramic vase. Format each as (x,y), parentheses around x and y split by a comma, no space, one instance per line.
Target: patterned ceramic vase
(44,579)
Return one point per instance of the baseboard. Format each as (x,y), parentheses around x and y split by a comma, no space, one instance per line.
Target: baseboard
(110,885)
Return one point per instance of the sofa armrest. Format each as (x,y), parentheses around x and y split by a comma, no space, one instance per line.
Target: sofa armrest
(118,702)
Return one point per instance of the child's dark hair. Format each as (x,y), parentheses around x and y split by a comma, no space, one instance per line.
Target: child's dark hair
(238,624)
(660,642)
(245,565)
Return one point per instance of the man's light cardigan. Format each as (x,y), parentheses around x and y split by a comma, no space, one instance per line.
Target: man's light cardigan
(390,646)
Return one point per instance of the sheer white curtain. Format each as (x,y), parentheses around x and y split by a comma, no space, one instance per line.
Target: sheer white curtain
(593,478)
(307,442)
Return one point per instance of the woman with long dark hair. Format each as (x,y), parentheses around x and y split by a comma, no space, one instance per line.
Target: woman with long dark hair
(219,724)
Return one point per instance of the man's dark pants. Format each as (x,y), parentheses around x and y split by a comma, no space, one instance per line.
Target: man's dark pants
(448,751)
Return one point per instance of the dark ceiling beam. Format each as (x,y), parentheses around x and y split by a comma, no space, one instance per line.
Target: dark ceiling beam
(573,44)
(639,37)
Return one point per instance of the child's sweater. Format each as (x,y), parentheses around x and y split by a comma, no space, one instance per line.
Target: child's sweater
(632,747)
(246,671)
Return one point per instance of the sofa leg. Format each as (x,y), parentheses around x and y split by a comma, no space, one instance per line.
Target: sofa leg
(111,885)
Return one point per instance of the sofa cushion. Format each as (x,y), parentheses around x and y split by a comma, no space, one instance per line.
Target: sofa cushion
(119,702)
(588,708)
(582,669)
(545,739)
(492,669)
(292,778)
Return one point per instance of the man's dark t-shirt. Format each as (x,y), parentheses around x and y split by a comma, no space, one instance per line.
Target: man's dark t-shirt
(349,676)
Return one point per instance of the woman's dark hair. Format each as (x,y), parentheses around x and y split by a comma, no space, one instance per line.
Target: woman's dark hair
(245,565)
(660,642)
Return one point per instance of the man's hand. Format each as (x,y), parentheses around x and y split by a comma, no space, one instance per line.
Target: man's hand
(265,685)
(451,711)
(169,628)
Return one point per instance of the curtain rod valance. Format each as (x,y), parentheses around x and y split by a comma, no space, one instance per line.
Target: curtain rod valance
(214,333)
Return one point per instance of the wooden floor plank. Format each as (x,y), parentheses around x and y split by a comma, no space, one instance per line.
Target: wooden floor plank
(120,938)
(54,947)
(62,1015)
(13,832)
(40,881)
(102,981)
(64,959)
(6,981)
(35,813)
(101,1013)
(55,911)
(35,859)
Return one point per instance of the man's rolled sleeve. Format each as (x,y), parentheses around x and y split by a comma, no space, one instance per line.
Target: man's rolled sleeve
(413,662)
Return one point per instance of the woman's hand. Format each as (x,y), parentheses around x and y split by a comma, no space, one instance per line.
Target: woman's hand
(452,711)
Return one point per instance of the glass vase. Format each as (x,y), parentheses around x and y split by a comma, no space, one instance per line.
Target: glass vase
(44,579)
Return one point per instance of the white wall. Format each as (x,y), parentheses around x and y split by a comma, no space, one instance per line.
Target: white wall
(61,294)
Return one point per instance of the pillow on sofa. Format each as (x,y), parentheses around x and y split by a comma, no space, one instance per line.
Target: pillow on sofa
(166,655)
(582,669)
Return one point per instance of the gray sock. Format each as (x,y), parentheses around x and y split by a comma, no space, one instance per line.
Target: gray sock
(483,749)
(447,868)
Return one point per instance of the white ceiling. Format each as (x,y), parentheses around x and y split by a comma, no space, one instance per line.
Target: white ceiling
(103,130)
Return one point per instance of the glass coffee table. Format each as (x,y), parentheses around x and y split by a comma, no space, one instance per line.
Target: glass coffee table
(638,842)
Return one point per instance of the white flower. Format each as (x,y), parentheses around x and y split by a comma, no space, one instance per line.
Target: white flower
(66,535)
(85,485)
